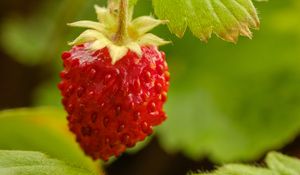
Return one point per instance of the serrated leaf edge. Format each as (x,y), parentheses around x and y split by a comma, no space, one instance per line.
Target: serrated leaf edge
(226,31)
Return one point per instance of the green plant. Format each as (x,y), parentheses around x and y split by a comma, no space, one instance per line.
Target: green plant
(276,164)
(213,113)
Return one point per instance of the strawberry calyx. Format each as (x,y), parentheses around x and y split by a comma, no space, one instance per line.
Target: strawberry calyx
(116,30)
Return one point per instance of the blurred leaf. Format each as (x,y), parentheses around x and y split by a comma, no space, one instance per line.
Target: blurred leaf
(239,123)
(47,94)
(41,129)
(283,164)
(237,169)
(277,164)
(19,33)
(234,102)
(41,37)
(23,39)
(228,19)
(29,163)
(285,19)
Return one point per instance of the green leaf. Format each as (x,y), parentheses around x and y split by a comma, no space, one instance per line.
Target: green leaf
(283,164)
(41,129)
(35,163)
(226,18)
(227,102)
(47,94)
(277,164)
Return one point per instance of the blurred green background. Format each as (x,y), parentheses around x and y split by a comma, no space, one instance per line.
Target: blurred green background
(227,102)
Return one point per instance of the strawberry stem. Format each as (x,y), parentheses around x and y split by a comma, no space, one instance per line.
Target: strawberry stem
(112,5)
(122,35)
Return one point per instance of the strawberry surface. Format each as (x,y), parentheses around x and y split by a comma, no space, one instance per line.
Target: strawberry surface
(113,106)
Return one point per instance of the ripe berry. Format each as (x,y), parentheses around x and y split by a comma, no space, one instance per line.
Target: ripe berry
(114,92)
(107,112)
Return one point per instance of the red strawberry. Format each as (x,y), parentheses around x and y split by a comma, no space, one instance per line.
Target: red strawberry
(114,93)
(112,107)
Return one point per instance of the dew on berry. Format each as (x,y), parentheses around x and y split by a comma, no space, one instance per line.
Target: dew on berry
(107,78)
(117,71)
(102,105)
(130,96)
(91,93)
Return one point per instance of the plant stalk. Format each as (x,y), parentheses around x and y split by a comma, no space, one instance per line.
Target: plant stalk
(111,4)
(122,35)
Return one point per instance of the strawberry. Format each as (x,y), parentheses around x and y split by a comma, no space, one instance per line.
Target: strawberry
(114,89)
